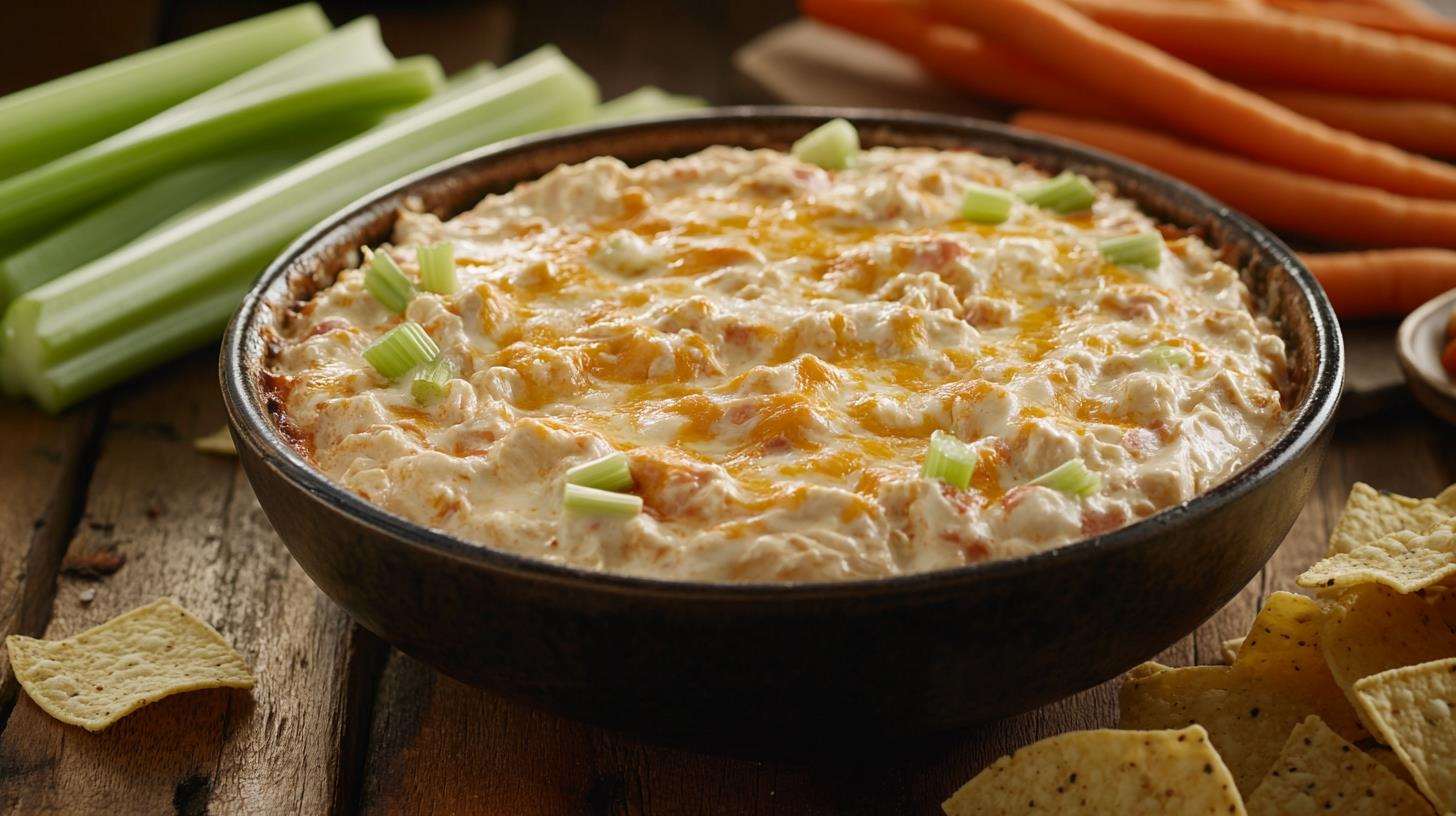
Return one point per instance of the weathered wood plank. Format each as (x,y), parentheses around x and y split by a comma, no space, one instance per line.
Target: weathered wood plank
(43,470)
(186,525)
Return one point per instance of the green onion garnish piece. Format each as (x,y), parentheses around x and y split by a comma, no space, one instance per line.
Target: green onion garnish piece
(387,283)
(985,205)
(590,501)
(429,384)
(1143,250)
(949,460)
(1071,477)
(1067,193)
(607,473)
(437,268)
(401,349)
(833,145)
(1166,357)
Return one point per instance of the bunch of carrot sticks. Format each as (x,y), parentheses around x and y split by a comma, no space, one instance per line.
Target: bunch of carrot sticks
(1327,119)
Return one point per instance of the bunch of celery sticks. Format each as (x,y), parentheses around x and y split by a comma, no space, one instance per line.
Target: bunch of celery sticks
(141,198)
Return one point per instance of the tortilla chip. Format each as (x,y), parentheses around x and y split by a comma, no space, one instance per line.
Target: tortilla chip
(1248,717)
(1405,561)
(1317,772)
(1137,773)
(1230,649)
(1371,628)
(217,443)
(1284,637)
(1370,514)
(1411,710)
(99,676)
(1278,678)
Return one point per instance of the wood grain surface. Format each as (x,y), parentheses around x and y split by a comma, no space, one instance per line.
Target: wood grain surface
(108,507)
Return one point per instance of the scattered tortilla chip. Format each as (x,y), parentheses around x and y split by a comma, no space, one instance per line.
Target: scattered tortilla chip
(1411,710)
(1317,772)
(99,676)
(1230,649)
(1372,628)
(1136,773)
(217,443)
(1405,561)
(1370,514)
(1283,649)
(1278,678)
(1248,717)
(1284,637)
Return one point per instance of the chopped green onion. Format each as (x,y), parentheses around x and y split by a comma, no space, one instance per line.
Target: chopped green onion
(1071,477)
(607,473)
(589,501)
(67,114)
(1166,357)
(175,289)
(400,349)
(1065,194)
(949,460)
(986,205)
(429,384)
(833,145)
(437,268)
(1143,250)
(387,283)
(646,101)
(47,195)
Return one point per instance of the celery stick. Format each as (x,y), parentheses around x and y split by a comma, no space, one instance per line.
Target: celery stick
(42,123)
(351,49)
(176,288)
(646,101)
(122,220)
(38,199)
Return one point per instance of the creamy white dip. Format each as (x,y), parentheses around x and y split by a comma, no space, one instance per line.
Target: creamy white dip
(772,344)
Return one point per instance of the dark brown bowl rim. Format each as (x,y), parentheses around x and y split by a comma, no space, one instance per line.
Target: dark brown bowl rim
(1307,422)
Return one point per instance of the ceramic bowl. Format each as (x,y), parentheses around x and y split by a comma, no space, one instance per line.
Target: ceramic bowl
(817,666)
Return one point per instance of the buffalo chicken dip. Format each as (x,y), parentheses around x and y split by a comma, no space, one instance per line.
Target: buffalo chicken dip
(752,365)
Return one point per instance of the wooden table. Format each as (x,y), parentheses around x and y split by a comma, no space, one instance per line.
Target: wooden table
(108,506)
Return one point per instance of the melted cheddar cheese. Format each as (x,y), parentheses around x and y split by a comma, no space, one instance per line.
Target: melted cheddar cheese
(772,344)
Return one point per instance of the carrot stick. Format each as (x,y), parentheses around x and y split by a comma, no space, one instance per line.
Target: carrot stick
(1275,47)
(957,56)
(899,24)
(1383,283)
(1307,205)
(1117,67)
(1422,127)
(967,61)
(1434,29)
